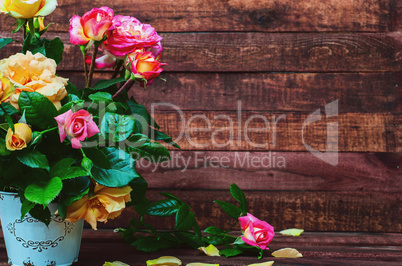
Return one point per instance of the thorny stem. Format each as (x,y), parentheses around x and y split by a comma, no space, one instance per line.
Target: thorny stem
(129,83)
(91,70)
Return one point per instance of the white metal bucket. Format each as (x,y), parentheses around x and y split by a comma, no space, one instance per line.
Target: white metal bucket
(31,242)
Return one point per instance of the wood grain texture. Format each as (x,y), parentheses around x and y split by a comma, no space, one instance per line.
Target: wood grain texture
(251,52)
(236,15)
(282,171)
(299,92)
(264,131)
(312,211)
(317,249)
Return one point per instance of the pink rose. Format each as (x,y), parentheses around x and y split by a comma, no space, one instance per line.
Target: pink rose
(106,60)
(144,66)
(91,26)
(129,34)
(256,232)
(78,126)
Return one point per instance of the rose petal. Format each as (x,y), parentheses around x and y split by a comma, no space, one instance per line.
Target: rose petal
(287,253)
(292,232)
(211,250)
(164,261)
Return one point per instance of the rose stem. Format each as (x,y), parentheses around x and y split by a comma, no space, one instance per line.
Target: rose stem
(91,70)
(117,69)
(86,71)
(129,83)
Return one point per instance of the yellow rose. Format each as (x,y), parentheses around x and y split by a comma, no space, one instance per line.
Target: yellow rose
(34,73)
(6,88)
(18,139)
(105,203)
(27,8)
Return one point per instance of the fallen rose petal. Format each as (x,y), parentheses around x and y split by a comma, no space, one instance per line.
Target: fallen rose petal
(292,232)
(266,263)
(115,263)
(211,250)
(287,253)
(164,261)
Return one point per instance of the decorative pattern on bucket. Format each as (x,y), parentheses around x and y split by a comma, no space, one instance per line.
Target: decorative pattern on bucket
(39,245)
(29,242)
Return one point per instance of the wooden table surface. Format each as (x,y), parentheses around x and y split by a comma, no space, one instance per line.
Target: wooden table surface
(317,248)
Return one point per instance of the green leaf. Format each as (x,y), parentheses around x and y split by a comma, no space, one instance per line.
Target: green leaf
(5,41)
(106,83)
(142,146)
(185,219)
(213,230)
(20,23)
(163,208)
(147,244)
(3,149)
(26,207)
(39,110)
(62,210)
(42,214)
(122,170)
(64,169)
(97,157)
(33,159)
(139,186)
(239,196)
(171,196)
(117,127)
(74,189)
(140,112)
(8,108)
(44,192)
(157,135)
(229,208)
(72,89)
(101,97)
(230,252)
(54,49)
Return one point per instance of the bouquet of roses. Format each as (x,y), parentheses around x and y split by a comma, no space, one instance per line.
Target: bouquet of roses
(77,147)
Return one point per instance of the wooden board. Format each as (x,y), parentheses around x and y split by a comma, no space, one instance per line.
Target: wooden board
(236,15)
(312,211)
(317,249)
(277,171)
(229,130)
(256,52)
(300,92)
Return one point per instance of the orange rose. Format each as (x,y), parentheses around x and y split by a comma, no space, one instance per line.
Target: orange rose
(105,203)
(36,72)
(18,139)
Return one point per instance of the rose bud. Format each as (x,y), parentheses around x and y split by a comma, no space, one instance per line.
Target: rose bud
(144,66)
(18,139)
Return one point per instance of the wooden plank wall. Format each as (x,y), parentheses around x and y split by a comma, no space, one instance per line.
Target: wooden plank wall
(271,58)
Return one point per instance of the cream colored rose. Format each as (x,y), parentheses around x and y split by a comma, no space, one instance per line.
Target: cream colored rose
(6,88)
(27,8)
(34,73)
